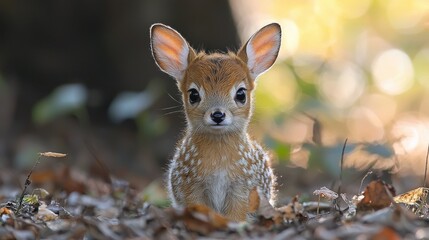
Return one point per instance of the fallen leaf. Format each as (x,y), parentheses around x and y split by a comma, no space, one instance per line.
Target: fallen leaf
(30,199)
(53,154)
(42,193)
(268,215)
(375,196)
(417,195)
(293,212)
(415,198)
(44,214)
(386,233)
(213,217)
(202,219)
(6,211)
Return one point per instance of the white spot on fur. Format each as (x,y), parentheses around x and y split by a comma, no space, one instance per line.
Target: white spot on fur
(242,162)
(187,157)
(176,155)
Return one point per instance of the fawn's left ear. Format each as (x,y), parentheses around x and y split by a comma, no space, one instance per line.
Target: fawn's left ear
(261,50)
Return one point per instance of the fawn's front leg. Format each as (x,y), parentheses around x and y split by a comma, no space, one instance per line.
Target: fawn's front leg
(237,203)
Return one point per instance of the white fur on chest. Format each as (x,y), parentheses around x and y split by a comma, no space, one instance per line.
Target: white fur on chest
(218,185)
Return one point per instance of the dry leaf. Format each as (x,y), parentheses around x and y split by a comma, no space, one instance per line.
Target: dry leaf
(5,211)
(45,215)
(375,196)
(415,199)
(42,193)
(293,212)
(267,211)
(386,233)
(53,154)
(202,219)
(416,196)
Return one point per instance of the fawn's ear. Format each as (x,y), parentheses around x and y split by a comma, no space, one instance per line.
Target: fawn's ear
(261,50)
(170,50)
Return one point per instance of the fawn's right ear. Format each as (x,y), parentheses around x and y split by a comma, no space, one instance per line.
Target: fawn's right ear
(260,52)
(170,50)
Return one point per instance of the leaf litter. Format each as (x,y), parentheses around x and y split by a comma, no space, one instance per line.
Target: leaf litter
(99,209)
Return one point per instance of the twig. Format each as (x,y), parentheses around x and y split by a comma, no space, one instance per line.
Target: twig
(318,205)
(361,182)
(105,172)
(317,129)
(426,167)
(27,183)
(341,166)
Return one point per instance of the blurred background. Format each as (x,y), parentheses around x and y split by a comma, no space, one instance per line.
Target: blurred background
(77,77)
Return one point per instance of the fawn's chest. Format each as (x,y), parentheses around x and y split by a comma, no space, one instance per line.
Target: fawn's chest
(216,161)
(214,171)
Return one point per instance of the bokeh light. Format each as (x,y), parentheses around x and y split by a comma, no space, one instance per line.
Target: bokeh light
(290,38)
(276,91)
(342,84)
(393,72)
(364,125)
(421,65)
(381,105)
(405,15)
(411,135)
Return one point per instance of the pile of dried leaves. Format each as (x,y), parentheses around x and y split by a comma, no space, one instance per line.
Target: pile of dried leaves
(113,210)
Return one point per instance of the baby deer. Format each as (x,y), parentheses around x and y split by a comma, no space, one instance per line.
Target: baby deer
(216,163)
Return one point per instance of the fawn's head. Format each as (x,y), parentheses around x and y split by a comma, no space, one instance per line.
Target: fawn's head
(216,88)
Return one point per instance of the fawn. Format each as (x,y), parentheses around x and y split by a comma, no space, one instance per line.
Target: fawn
(216,163)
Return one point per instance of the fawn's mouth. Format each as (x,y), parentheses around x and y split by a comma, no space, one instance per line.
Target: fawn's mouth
(219,125)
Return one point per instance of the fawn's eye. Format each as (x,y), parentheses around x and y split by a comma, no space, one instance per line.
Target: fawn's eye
(194,96)
(240,96)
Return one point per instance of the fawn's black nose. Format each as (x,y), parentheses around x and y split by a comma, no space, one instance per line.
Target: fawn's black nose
(217,117)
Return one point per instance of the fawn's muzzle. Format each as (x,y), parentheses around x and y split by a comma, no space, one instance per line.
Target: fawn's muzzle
(217,117)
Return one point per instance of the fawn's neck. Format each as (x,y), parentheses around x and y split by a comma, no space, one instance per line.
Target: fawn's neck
(217,150)
(230,139)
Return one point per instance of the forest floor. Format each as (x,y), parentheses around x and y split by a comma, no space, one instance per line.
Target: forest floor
(80,206)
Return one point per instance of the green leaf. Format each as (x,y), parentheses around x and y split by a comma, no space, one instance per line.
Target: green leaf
(379,149)
(129,105)
(65,99)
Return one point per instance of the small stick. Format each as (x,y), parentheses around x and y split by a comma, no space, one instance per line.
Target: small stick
(361,182)
(318,205)
(27,183)
(341,166)
(426,167)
